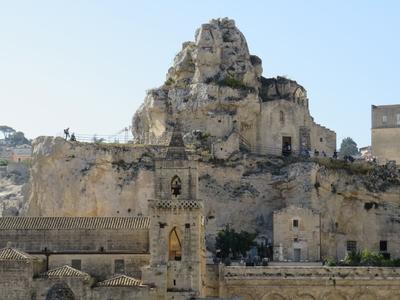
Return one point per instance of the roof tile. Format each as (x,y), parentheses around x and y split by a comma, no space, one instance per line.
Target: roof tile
(121,280)
(65,271)
(14,254)
(74,223)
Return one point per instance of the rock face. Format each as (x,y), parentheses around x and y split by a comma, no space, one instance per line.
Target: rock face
(216,90)
(215,87)
(211,76)
(74,179)
(13,189)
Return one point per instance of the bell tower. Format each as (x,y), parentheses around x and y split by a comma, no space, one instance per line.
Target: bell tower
(177,238)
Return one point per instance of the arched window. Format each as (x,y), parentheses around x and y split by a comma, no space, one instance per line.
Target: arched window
(281,117)
(175,246)
(176,186)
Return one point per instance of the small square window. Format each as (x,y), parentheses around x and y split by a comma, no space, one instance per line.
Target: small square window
(295,223)
(187,225)
(351,246)
(119,266)
(76,264)
(383,246)
(295,240)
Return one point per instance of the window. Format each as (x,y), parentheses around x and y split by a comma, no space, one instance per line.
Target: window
(321,140)
(384,119)
(187,225)
(295,223)
(175,246)
(176,186)
(351,246)
(119,266)
(76,264)
(383,246)
(295,240)
(398,119)
(281,117)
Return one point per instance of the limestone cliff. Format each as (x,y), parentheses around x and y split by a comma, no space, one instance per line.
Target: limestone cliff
(78,179)
(74,179)
(216,90)
(13,189)
(211,78)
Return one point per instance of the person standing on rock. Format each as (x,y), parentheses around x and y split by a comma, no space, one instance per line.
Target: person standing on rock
(66,132)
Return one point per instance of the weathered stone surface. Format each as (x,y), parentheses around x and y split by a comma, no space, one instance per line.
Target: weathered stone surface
(215,86)
(13,189)
(243,191)
(73,179)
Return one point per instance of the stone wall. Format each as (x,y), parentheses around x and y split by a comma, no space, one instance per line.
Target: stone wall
(102,266)
(77,240)
(385,144)
(385,133)
(116,293)
(16,279)
(311,283)
(296,229)
(281,118)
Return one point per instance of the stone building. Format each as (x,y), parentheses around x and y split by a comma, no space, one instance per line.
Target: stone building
(297,235)
(385,133)
(21,153)
(177,245)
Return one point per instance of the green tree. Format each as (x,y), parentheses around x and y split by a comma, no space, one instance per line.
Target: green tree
(18,138)
(348,147)
(232,243)
(6,130)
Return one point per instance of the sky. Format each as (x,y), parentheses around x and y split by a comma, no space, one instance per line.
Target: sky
(87,64)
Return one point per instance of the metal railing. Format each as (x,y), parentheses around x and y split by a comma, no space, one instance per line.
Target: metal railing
(123,138)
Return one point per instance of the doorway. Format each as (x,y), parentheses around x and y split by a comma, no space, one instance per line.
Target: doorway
(297,254)
(286,145)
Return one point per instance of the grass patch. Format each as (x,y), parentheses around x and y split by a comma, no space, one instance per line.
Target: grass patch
(357,167)
(234,84)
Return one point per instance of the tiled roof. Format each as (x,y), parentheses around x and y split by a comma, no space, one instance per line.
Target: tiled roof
(121,280)
(65,271)
(14,254)
(74,223)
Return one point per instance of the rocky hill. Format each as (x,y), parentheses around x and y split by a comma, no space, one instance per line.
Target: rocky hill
(79,179)
(213,85)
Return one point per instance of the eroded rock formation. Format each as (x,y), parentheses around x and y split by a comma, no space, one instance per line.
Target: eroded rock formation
(216,90)
(74,179)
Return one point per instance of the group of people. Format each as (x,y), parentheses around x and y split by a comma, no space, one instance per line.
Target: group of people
(67,135)
(316,153)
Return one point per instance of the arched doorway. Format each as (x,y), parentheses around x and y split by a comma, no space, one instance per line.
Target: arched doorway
(60,291)
(175,245)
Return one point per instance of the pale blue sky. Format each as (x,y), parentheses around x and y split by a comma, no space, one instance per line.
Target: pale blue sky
(87,64)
